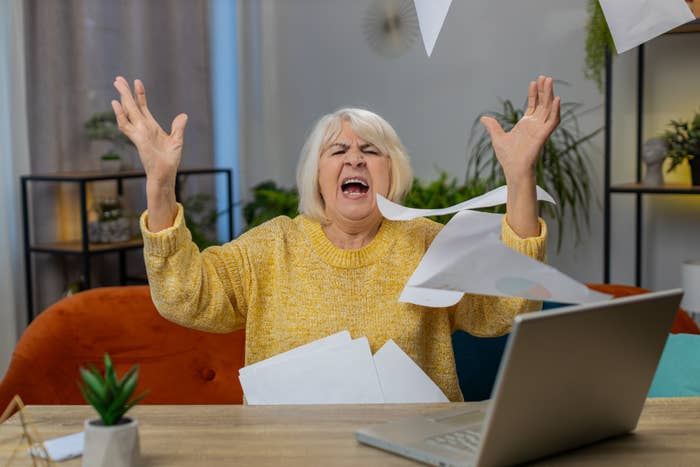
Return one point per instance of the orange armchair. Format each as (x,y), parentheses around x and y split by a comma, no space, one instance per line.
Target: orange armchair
(177,365)
(683,322)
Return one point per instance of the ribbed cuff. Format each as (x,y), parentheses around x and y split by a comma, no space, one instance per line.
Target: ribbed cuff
(533,247)
(166,242)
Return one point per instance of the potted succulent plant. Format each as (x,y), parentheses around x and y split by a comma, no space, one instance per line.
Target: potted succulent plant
(683,142)
(113,439)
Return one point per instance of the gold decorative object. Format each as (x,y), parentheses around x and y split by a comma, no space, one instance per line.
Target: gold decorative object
(18,441)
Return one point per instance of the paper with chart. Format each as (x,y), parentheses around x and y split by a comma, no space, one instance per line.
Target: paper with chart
(633,22)
(431,16)
(467,256)
(338,370)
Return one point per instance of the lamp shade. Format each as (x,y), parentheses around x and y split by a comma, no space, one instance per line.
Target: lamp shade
(690,276)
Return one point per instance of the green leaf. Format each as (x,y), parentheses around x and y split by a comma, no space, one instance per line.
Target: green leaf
(94,385)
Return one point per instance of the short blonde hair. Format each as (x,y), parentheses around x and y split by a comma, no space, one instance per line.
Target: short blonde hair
(368,126)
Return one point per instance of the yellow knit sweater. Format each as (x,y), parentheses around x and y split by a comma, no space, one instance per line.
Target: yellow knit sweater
(287,284)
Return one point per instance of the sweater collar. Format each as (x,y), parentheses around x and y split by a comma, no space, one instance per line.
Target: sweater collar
(348,259)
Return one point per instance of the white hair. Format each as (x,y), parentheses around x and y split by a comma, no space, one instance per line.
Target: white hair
(368,126)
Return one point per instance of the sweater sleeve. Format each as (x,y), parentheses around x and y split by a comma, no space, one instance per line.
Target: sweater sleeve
(203,291)
(490,316)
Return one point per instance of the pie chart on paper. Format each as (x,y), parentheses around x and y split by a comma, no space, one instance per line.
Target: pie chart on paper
(525,288)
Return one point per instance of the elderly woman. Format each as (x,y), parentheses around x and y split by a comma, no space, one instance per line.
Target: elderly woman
(338,265)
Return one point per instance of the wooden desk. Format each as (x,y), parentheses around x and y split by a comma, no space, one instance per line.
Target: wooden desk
(668,434)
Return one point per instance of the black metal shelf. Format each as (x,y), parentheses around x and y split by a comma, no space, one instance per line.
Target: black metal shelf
(82,247)
(655,189)
(75,247)
(637,188)
(691,27)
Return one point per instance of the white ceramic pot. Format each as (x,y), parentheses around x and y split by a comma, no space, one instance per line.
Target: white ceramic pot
(111,446)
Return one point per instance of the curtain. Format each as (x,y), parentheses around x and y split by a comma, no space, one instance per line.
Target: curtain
(75,48)
(14,161)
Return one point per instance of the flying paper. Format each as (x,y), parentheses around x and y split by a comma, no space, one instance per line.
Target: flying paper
(431,17)
(633,22)
(467,256)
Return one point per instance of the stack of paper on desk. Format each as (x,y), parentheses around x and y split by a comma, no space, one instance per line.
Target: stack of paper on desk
(338,370)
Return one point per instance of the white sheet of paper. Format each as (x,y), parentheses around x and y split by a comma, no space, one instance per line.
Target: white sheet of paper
(402,380)
(63,448)
(344,374)
(468,256)
(431,17)
(633,22)
(342,337)
(495,197)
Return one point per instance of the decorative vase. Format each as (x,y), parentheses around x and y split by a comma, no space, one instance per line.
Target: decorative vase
(111,446)
(678,176)
(654,152)
(695,170)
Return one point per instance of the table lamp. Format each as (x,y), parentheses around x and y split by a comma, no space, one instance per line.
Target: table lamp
(690,276)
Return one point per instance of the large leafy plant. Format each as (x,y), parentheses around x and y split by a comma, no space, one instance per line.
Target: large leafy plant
(103,126)
(563,170)
(110,396)
(270,201)
(598,42)
(683,141)
(444,191)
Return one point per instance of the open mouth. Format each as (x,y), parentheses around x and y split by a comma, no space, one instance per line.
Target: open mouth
(354,186)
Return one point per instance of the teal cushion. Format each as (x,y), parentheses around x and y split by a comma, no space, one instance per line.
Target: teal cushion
(477,360)
(678,373)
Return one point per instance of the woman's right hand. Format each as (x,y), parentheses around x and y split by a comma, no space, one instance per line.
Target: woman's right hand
(160,152)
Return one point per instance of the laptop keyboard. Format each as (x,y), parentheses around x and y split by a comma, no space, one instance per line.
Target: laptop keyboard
(463,440)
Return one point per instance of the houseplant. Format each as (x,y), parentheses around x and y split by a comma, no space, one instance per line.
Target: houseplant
(102,126)
(598,42)
(563,170)
(683,142)
(270,201)
(111,225)
(110,162)
(445,191)
(111,440)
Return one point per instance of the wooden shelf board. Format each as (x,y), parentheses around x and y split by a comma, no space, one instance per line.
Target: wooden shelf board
(693,26)
(660,189)
(97,175)
(76,246)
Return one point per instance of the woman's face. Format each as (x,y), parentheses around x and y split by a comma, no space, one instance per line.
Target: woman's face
(351,172)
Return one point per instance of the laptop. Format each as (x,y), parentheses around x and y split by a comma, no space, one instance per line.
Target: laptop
(569,377)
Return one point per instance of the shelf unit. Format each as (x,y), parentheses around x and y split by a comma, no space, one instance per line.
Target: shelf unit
(82,247)
(637,188)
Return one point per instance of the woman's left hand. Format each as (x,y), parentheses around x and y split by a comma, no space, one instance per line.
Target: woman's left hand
(519,149)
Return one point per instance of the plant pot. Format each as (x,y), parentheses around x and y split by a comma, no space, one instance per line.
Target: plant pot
(110,165)
(111,446)
(695,169)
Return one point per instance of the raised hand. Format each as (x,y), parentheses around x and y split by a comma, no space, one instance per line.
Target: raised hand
(159,151)
(519,149)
